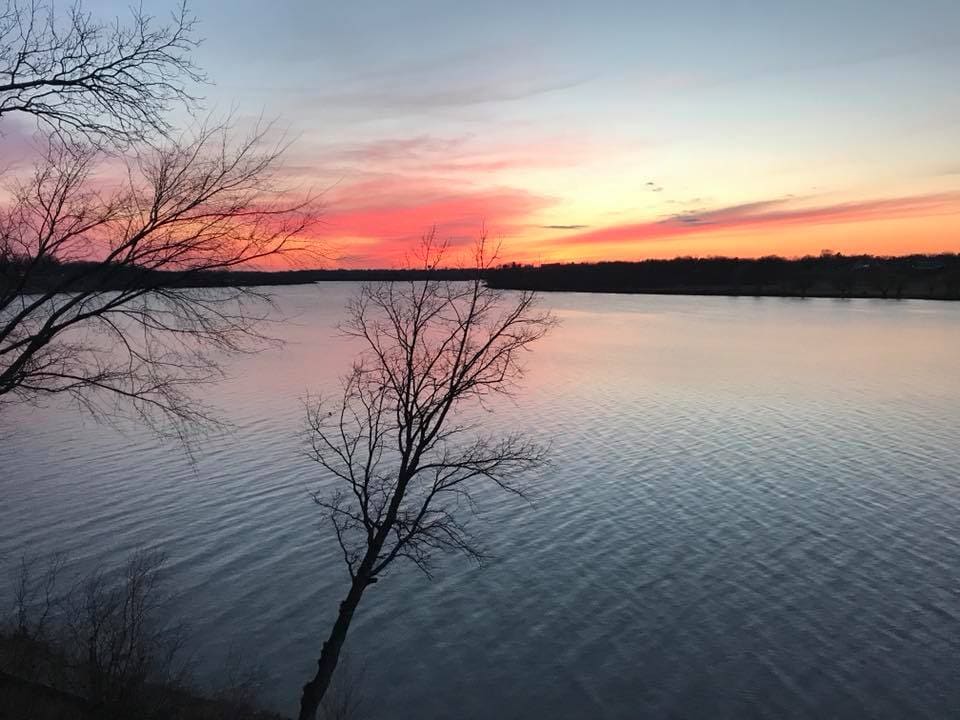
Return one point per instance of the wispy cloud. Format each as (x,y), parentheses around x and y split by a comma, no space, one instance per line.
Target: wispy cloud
(563,227)
(767,213)
(841,58)
(397,150)
(18,143)
(461,159)
(416,97)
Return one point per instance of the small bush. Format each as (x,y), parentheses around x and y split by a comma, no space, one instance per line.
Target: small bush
(105,648)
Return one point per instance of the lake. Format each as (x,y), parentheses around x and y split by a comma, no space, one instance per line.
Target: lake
(753,511)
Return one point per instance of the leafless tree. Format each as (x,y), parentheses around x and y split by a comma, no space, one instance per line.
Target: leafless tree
(102,253)
(404,460)
(105,82)
(98,282)
(34,596)
(26,633)
(104,644)
(116,637)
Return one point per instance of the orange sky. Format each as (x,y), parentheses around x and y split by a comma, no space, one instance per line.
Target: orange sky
(605,130)
(373,223)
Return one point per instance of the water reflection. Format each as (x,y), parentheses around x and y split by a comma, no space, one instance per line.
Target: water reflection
(753,511)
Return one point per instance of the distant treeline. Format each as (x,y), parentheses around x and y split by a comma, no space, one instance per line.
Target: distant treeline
(828,275)
(50,275)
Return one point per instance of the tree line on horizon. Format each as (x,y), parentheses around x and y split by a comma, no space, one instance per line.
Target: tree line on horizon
(826,275)
(935,276)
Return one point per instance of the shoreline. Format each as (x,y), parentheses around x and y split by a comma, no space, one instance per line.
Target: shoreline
(731,293)
(832,276)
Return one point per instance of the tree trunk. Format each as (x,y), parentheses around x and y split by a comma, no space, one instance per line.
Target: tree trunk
(314,690)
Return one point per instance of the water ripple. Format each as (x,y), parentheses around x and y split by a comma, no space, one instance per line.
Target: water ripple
(753,512)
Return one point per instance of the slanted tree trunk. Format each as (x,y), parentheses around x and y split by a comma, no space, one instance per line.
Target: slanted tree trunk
(314,690)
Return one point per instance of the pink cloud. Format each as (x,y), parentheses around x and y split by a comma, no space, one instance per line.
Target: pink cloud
(766,213)
(431,156)
(387,214)
(18,143)
(384,193)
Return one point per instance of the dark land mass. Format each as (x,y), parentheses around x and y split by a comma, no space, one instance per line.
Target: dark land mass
(37,682)
(935,277)
(51,275)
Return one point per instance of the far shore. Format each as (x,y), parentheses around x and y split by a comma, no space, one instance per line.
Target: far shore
(829,275)
(925,277)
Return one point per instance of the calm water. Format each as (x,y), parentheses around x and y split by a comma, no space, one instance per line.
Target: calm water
(754,511)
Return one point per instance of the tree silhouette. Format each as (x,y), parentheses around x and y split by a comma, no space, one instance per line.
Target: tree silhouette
(102,82)
(121,320)
(404,461)
(101,250)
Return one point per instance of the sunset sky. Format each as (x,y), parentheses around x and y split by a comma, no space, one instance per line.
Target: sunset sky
(606,130)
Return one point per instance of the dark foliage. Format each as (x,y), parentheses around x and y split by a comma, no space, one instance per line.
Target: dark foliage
(103,648)
(106,277)
(828,275)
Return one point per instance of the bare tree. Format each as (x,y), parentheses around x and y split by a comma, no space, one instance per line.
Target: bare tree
(24,637)
(102,254)
(104,644)
(98,285)
(104,82)
(115,635)
(405,461)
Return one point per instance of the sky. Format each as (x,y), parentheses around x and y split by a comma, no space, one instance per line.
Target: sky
(577,131)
